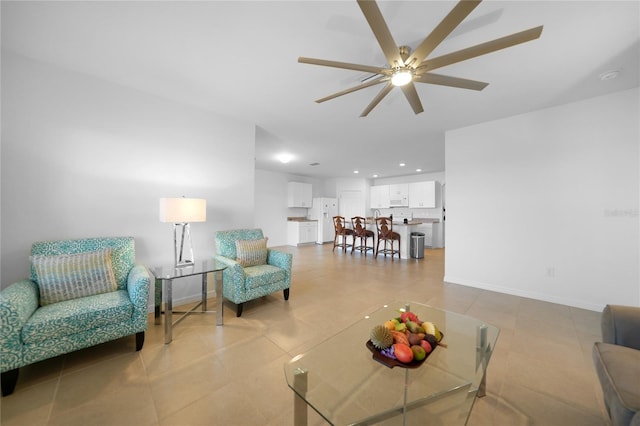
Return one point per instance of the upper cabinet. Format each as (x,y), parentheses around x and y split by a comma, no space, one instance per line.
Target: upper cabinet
(415,195)
(299,194)
(422,194)
(399,195)
(380,197)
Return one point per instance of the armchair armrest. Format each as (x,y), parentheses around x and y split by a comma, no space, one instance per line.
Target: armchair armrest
(234,270)
(138,283)
(17,303)
(280,259)
(621,325)
(233,277)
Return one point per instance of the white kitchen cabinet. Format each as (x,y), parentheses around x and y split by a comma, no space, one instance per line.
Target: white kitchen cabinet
(380,197)
(399,195)
(299,194)
(422,194)
(301,232)
(427,230)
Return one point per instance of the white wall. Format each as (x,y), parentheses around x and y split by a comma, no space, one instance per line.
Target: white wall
(545,204)
(271,209)
(82,157)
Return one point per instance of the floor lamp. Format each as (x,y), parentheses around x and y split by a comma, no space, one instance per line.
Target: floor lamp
(180,212)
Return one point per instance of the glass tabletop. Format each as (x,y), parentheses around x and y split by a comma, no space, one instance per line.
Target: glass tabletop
(169,272)
(346,386)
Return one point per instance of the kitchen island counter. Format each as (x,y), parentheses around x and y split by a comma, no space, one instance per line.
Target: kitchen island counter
(300,219)
(418,221)
(405,230)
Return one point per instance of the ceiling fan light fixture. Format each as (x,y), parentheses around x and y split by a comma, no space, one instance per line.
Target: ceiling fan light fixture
(401,76)
(406,67)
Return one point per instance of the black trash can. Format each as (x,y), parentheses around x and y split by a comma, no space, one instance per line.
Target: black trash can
(417,245)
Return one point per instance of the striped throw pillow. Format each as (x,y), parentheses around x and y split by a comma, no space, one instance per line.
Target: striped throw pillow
(71,276)
(251,252)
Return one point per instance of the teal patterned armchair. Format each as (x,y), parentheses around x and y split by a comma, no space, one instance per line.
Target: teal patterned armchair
(46,316)
(252,270)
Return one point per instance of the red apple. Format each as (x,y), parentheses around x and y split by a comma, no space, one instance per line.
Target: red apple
(426,345)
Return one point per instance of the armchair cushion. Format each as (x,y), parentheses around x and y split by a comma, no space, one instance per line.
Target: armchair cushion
(263,275)
(251,252)
(65,277)
(71,317)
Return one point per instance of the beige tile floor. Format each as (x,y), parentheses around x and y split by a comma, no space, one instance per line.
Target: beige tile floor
(540,373)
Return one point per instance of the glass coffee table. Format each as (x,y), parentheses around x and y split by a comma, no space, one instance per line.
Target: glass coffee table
(341,381)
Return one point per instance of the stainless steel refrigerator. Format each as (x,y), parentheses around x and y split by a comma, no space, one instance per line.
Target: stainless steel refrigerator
(323,210)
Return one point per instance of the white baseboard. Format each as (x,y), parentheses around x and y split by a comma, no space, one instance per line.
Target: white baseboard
(528,294)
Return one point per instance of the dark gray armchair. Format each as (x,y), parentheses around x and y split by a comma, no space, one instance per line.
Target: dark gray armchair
(617,362)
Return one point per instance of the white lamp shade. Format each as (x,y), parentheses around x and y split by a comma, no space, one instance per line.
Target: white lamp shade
(183,210)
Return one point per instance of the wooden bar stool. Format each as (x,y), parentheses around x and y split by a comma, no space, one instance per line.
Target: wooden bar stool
(342,232)
(360,232)
(384,225)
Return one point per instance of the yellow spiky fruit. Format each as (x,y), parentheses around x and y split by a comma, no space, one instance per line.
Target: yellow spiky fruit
(381,337)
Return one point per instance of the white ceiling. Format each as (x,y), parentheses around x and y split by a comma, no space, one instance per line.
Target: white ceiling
(239,59)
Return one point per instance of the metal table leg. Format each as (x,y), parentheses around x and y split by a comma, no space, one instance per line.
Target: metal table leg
(157,310)
(168,310)
(219,297)
(204,292)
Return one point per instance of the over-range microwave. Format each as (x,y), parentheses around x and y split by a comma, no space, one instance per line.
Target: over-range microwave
(399,202)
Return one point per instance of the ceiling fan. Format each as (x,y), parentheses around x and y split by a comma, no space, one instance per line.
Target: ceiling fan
(407,67)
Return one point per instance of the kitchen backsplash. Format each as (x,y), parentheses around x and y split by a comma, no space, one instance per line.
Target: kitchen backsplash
(400,213)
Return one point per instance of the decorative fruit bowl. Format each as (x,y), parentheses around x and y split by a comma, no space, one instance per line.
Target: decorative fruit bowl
(404,341)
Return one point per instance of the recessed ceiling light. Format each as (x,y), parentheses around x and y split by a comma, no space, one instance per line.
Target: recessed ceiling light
(609,75)
(402,164)
(284,158)
(375,176)
(418,170)
(356,171)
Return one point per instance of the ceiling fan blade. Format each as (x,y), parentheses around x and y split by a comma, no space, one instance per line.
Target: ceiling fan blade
(353,89)
(481,49)
(411,94)
(381,32)
(445,80)
(444,28)
(344,65)
(384,92)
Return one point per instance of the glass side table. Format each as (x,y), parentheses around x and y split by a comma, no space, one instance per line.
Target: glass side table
(164,277)
(341,381)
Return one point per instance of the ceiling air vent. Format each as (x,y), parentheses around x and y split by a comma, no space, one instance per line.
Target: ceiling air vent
(314,164)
